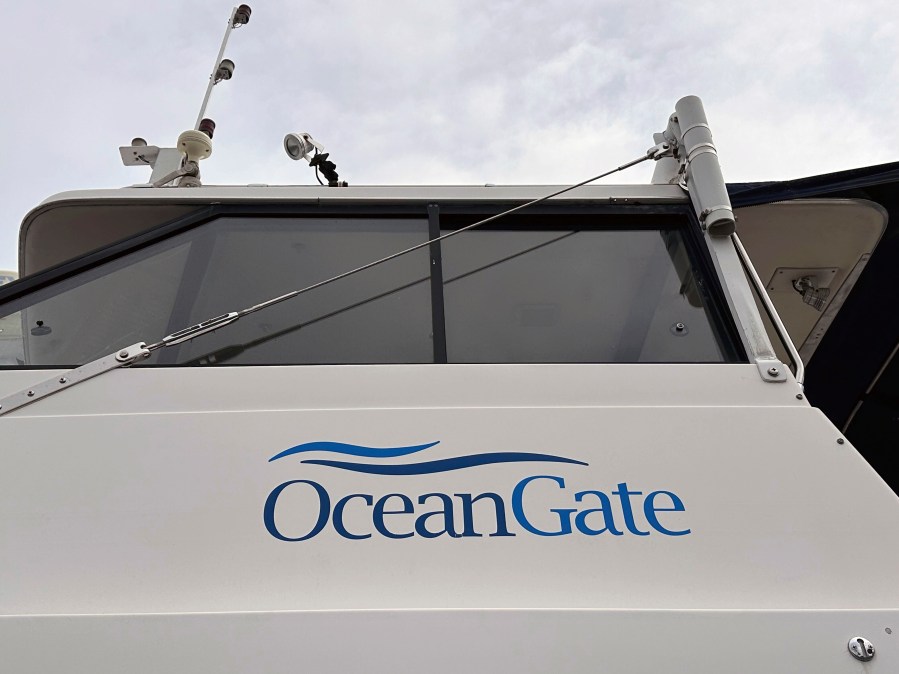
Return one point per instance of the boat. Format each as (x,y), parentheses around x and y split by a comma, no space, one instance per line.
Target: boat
(439,428)
(10,328)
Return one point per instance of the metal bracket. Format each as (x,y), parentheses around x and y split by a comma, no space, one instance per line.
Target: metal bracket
(190,170)
(139,155)
(122,358)
(706,212)
(663,149)
(861,649)
(701,148)
(772,370)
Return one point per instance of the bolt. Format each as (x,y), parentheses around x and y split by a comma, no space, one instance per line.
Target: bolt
(123,353)
(679,327)
(840,441)
(30,394)
(773,371)
(63,380)
(799,396)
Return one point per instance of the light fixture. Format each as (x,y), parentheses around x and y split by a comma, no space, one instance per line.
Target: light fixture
(225,71)
(241,16)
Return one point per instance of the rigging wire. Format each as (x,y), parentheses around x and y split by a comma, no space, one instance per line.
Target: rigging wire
(220,321)
(140,351)
(227,352)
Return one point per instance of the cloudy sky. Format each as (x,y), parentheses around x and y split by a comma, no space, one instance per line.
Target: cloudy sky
(440,91)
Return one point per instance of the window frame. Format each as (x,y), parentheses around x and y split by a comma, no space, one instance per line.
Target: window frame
(439,216)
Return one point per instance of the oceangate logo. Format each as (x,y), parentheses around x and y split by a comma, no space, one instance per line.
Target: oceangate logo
(434,514)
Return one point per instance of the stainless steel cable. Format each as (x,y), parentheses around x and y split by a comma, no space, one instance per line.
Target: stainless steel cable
(393,256)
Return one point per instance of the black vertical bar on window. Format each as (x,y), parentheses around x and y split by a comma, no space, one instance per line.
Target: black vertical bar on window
(438,319)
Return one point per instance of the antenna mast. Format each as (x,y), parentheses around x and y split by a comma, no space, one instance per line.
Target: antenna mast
(223,69)
(180,164)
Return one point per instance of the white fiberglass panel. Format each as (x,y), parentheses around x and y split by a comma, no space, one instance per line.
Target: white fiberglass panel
(700,508)
(449,642)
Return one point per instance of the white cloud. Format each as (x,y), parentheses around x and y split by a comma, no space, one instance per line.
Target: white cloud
(441,92)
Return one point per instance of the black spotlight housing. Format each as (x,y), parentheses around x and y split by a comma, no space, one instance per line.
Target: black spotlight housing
(242,15)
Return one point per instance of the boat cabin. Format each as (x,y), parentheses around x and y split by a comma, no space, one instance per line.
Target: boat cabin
(439,428)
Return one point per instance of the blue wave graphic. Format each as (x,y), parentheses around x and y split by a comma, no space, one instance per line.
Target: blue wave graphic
(442,465)
(353,450)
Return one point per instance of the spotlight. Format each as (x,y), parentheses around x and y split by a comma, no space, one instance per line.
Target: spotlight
(225,70)
(242,16)
(299,145)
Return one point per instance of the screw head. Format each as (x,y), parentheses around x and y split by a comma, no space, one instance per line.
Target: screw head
(840,441)
(30,394)
(799,396)
(773,371)
(63,380)
(123,353)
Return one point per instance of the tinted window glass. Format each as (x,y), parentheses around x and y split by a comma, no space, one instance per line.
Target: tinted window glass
(574,296)
(535,291)
(89,316)
(381,315)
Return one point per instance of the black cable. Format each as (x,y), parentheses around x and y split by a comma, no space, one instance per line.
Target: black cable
(317,177)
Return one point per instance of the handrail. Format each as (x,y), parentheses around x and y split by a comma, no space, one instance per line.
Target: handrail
(770,309)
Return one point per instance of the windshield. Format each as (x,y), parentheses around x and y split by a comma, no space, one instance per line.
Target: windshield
(537,290)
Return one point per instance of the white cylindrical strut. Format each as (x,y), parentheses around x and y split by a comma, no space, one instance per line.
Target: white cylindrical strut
(705,183)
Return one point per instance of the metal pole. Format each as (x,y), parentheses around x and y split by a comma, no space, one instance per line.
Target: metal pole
(770,309)
(704,180)
(215,67)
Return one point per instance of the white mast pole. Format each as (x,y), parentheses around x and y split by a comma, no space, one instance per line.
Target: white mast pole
(215,67)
